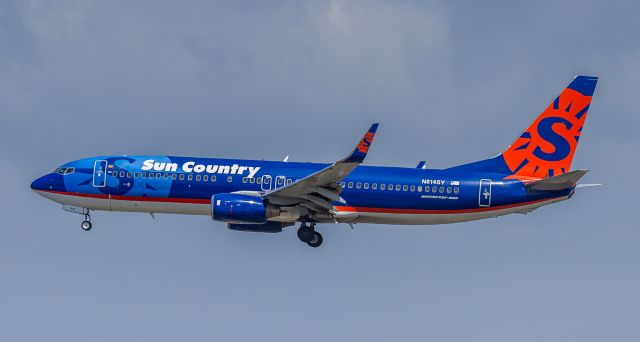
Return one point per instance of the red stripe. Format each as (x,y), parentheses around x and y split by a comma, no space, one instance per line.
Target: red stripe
(135,198)
(423,211)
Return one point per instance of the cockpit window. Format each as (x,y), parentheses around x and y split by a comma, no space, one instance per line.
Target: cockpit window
(65,170)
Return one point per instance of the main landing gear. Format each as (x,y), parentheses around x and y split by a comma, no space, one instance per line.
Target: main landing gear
(86,224)
(308,235)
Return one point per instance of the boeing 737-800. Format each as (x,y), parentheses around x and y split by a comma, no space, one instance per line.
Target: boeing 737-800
(267,196)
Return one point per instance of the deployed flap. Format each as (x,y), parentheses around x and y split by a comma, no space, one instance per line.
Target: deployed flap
(325,182)
(561,182)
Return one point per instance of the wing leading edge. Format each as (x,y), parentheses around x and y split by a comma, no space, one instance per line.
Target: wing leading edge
(317,191)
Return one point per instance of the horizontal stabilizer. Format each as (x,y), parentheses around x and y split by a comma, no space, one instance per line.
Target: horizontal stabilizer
(560,182)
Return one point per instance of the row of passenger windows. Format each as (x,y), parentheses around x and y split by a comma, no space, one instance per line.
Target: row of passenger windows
(281,181)
(190,177)
(173,176)
(399,187)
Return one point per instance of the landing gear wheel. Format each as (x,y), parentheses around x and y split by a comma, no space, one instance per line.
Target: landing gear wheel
(86,225)
(305,233)
(316,241)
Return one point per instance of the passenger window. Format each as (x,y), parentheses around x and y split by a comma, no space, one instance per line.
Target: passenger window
(144,175)
(383,186)
(366,186)
(128,174)
(358,185)
(229,179)
(405,187)
(244,179)
(419,188)
(456,190)
(413,188)
(449,189)
(427,188)
(280,180)
(174,176)
(442,189)
(158,175)
(198,178)
(213,178)
(342,185)
(434,189)
(252,180)
(136,175)
(289,181)
(189,177)
(374,186)
(350,185)
(181,176)
(205,178)
(398,187)
(151,175)
(166,176)
(259,180)
(390,187)
(121,174)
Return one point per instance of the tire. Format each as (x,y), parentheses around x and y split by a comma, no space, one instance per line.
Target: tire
(305,234)
(316,241)
(86,226)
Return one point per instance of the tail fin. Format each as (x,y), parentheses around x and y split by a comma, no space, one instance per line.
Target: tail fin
(546,147)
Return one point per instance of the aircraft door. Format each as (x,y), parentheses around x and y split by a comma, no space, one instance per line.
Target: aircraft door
(266,183)
(100,174)
(485,193)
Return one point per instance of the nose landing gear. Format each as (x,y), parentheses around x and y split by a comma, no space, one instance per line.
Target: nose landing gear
(309,235)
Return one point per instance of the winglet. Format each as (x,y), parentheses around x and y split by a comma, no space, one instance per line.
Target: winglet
(360,152)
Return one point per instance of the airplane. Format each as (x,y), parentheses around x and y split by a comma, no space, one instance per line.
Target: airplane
(267,196)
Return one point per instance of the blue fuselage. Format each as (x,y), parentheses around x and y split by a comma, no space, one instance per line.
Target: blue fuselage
(368,189)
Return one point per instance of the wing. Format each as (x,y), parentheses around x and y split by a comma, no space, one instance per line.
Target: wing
(316,192)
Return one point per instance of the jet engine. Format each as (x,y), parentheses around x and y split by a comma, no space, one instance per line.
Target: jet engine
(241,208)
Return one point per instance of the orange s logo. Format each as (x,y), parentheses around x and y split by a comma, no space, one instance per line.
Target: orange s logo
(547,147)
(366,141)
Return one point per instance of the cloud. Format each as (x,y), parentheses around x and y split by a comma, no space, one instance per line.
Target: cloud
(55,21)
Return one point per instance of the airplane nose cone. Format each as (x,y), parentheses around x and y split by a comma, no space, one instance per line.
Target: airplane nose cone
(42,183)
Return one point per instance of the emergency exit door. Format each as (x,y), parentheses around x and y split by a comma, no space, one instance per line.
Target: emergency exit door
(485,193)
(100,174)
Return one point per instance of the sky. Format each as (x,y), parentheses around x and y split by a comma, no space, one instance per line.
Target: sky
(450,82)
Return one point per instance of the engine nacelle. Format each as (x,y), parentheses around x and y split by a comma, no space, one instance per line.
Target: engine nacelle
(238,208)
